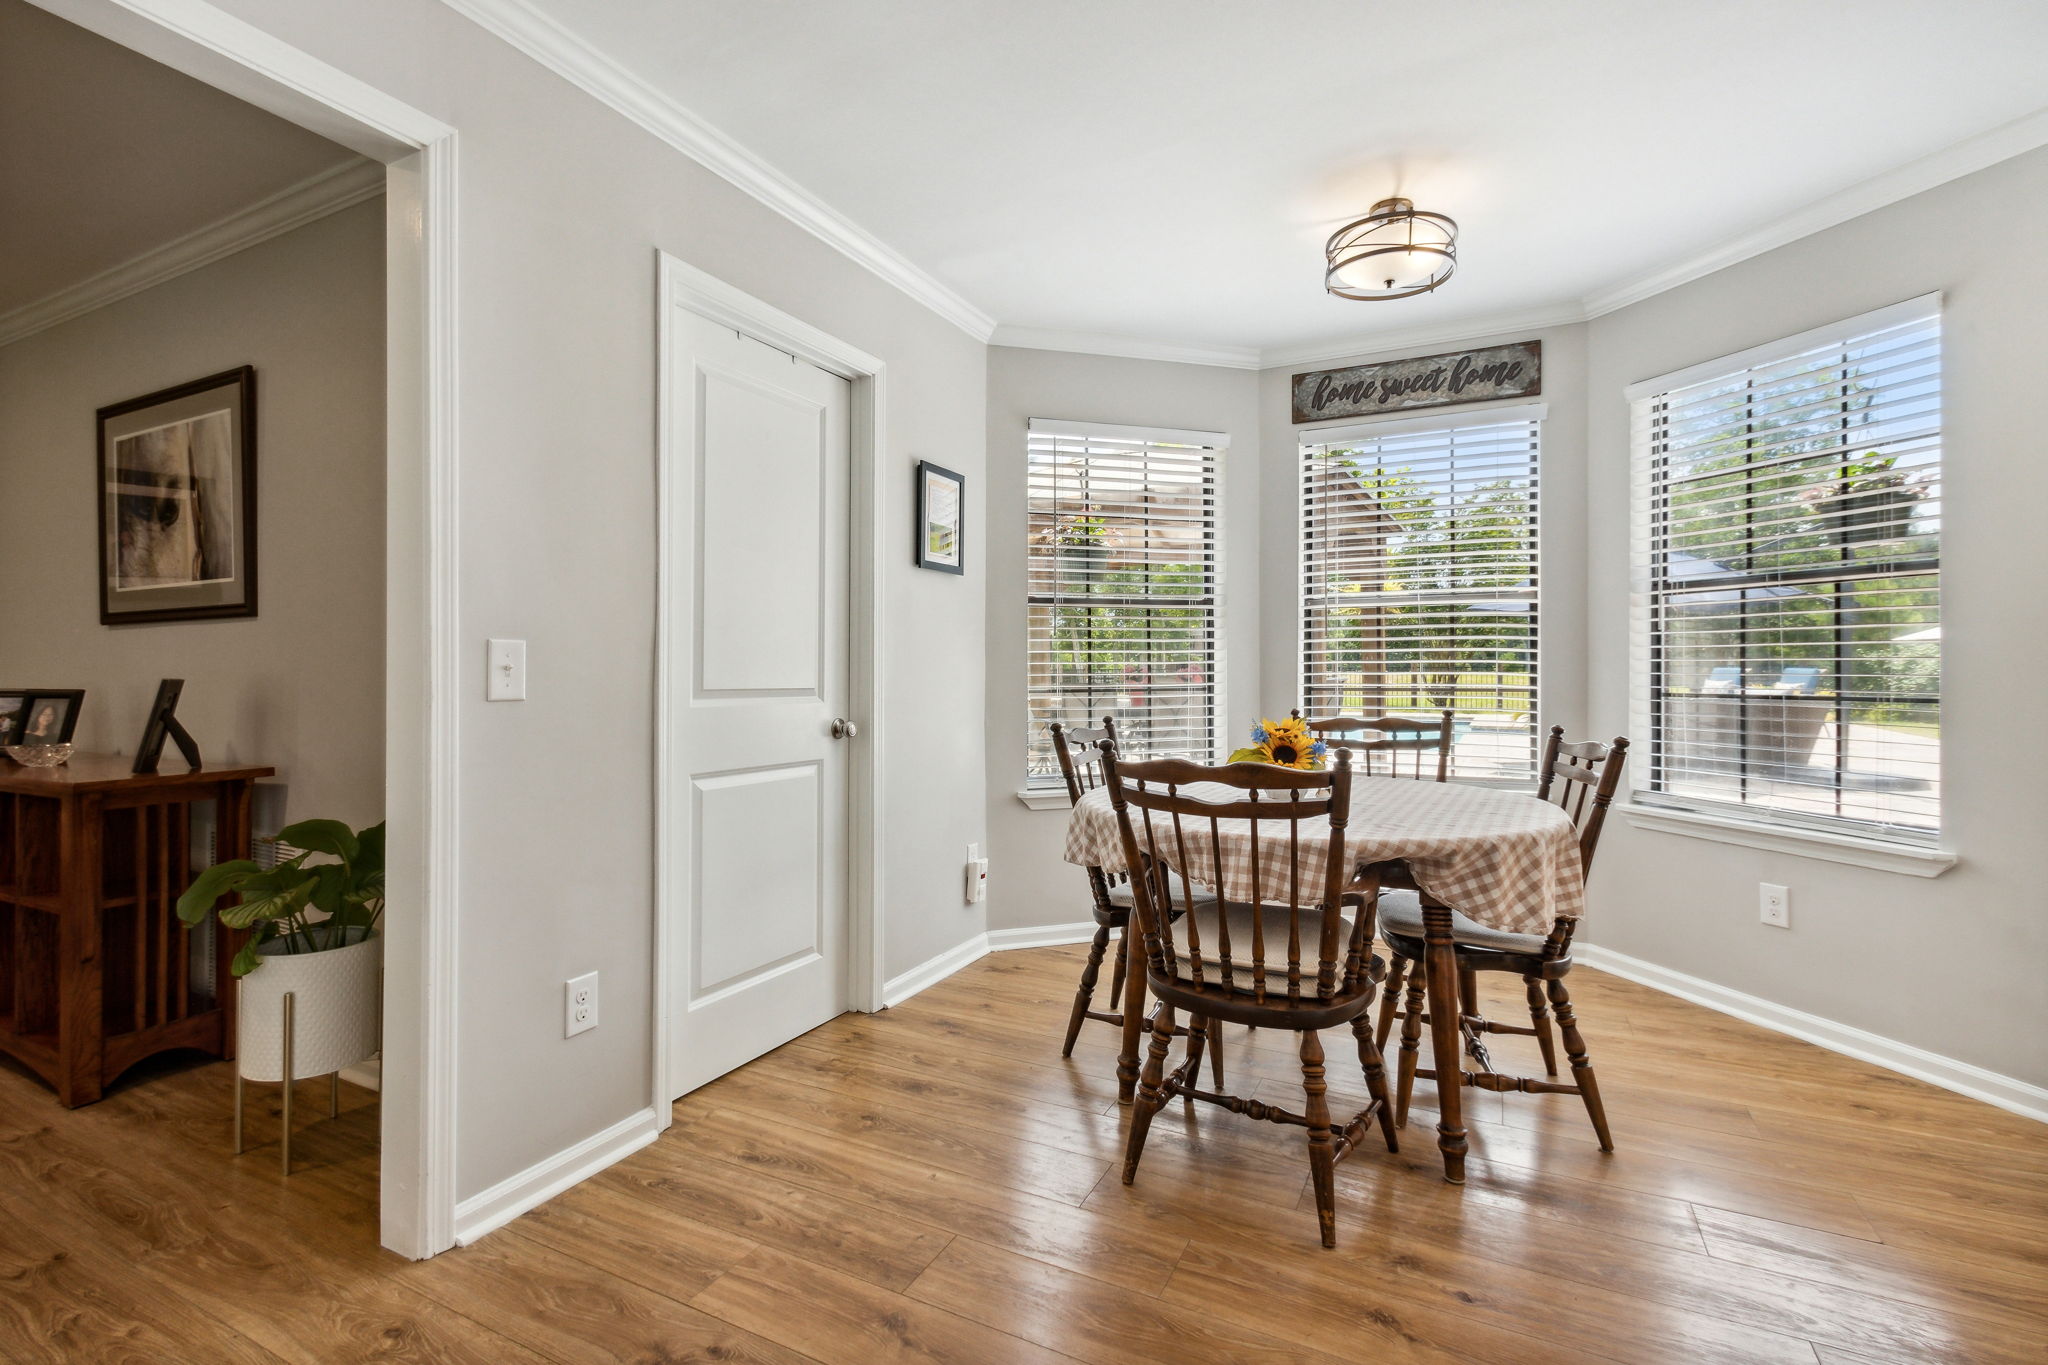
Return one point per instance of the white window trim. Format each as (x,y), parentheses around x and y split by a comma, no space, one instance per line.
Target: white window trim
(1396,425)
(1880,855)
(1045,798)
(1755,827)
(1170,436)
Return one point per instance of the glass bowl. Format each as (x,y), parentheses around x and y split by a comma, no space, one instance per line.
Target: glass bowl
(39,755)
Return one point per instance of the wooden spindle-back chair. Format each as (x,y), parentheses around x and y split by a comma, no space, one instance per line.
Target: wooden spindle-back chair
(1080,751)
(1581,779)
(1390,746)
(1282,952)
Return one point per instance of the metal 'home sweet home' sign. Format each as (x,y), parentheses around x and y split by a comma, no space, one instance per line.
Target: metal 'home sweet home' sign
(1430,381)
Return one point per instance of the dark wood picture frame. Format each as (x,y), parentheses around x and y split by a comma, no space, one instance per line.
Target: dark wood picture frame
(163,724)
(927,557)
(14,723)
(132,606)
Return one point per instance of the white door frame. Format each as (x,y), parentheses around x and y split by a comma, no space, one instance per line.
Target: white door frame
(682,285)
(417,1198)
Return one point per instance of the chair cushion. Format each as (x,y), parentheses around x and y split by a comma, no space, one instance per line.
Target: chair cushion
(1242,974)
(1401,917)
(1183,894)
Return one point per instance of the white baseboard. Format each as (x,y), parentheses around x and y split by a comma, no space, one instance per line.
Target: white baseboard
(2008,1093)
(900,988)
(534,1186)
(1040,936)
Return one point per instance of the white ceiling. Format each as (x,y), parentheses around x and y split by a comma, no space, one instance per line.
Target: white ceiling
(106,155)
(1169,169)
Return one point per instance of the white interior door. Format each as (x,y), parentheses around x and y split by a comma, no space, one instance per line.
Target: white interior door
(759,536)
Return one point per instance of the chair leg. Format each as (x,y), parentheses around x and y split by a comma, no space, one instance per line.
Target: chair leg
(1198,1043)
(1215,1053)
(1150,1097)
(1375,1077)
(1582,1069)
(1085,996)
(1322,1153)
(1390,1001)
(1123,964)
(1468,991)
(1411,1042)
(1539,1019)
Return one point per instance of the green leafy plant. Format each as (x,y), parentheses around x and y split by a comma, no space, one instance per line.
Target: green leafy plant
(311,906)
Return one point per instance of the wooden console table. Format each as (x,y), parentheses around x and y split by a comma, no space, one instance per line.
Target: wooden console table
(96,971)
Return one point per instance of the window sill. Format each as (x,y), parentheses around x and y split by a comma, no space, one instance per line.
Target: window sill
(1045,798)
(1906,859)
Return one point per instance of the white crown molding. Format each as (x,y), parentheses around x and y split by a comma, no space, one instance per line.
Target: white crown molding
(311,199)
(1129,348)
(1915,177)
(2007,1092)
(1419,338)
(574,59)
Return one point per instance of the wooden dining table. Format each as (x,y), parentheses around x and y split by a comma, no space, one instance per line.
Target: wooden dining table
(1502,858)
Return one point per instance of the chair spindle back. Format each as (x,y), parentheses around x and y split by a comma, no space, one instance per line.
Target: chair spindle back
(1391,746)
(1213,837)
(1580,778)
(1081,751)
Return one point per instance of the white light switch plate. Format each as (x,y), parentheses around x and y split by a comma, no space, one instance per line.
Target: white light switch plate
(505,670)
(579,1004)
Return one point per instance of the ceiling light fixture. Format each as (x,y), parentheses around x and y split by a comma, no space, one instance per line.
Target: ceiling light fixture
(1395,252)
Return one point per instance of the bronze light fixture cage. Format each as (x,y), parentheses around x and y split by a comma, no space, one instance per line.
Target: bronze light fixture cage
(1395,252)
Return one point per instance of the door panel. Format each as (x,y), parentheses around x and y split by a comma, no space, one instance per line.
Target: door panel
(758,534)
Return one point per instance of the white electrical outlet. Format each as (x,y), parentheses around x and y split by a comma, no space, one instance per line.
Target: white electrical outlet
(579,1005)
(976,888)
(1774,904)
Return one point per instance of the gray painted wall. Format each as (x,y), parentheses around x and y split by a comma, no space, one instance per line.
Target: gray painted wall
(563,204)
(1952,965)
(300,686)
(1028,883)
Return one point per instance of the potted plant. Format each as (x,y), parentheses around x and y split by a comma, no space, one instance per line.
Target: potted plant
(311,934)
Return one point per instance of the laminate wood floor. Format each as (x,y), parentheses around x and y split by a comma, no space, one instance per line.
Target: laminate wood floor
(936,1184)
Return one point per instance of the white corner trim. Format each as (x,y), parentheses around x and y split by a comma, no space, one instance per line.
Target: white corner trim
(574,59)
(1876,854)
(1040,936)
(313,198)
(1045,798)
(1129,348)
(2006,1092)
(501,1203)
(900,988)
(1937,168)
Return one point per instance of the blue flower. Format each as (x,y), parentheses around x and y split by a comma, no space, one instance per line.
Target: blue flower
(1318,749)
(1258,734)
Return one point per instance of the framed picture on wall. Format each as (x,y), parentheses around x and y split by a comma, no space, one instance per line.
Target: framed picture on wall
(177,498)
(941,495)
(47,715)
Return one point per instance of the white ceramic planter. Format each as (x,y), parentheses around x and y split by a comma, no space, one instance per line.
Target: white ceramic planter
(334,1009)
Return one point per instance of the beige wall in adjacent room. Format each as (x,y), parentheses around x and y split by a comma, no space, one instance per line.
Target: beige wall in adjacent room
(1952,964)
(1029,884)
(300,686)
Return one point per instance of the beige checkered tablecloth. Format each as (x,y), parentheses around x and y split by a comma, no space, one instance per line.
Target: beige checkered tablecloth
(1506,859)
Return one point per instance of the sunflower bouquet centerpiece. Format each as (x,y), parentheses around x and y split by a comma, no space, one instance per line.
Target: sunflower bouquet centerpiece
(1288,743)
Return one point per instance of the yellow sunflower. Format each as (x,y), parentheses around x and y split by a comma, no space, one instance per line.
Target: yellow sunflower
(1288,743)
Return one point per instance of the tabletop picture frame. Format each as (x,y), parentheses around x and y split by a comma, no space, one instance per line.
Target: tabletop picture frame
(177,502)
(39,715)
(941,518)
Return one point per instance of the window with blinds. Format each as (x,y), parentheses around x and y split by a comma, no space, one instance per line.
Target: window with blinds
(1787,567)
(1123,579)
(1419,586)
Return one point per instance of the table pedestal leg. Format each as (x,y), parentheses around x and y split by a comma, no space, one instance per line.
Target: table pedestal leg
(1134,1011)
(1445,1037)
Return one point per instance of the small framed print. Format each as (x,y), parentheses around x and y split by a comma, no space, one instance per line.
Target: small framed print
(39,716)
(941,496)
(177,498)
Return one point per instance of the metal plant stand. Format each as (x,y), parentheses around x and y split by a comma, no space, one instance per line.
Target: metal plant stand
(333,1094)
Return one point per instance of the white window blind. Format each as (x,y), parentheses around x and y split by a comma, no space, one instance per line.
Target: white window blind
(1787,575)
(1419,586)
(1123,581)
